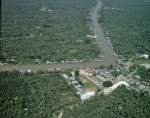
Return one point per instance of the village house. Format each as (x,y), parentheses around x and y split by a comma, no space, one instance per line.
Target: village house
(88,70)
(38,61)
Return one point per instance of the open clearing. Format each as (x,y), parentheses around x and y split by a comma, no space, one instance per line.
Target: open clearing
(87,84)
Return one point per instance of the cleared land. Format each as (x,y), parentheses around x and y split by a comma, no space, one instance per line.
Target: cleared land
(87,84)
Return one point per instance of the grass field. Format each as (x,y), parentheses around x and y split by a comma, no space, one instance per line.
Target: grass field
(141,61)
(87,84)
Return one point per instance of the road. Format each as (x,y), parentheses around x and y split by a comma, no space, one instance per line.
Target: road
(60,115)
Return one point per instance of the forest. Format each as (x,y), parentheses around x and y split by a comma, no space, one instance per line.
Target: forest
(128,25)
(31,95)
(121,103)
(49,30)
(144,74)
(43,94)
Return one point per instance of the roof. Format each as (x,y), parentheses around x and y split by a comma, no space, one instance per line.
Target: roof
(145,65)
(137,76)
(89,70)
(145,55)
(38,61)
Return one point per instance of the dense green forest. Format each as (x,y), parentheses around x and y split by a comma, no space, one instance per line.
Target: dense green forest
(43,95)
(144,73)
(121,103)
(51,30)
(128,25)
(32,95)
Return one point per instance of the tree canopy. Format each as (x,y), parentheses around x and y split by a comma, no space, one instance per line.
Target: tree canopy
(107,84)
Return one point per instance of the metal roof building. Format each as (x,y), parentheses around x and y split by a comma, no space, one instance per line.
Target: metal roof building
(146,65)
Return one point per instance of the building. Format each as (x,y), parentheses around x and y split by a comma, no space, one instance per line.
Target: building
(65,76)
(86,95)
(37,61)
(146,65)
(88,70)
(137,77)
(120,77)
(48,62)
(145,56)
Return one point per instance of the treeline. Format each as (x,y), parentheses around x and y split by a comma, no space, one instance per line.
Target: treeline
(121,103)
(34,95)
(49,30)
(128,24)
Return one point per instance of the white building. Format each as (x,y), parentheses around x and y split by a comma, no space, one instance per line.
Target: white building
(65,76)
(146,65)
(145,56)
(87,95)
(29,71)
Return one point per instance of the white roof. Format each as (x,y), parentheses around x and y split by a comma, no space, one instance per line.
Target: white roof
(87,95)
(146,65)
(145,55)
(65,76)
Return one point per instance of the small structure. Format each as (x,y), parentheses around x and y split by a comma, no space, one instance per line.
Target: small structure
(145,56)
(88,70)
(29,71)
(50,70)
(48,62)
(137,77)
(12,60)
(38,61)
(120,77)
(89,36)
(65,76)
(146,65)
(86,95)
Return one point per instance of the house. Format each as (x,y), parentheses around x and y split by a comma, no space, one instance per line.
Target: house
(38,61)
(141,87)
(50,70)
(65,76)
(88,70)
(146,65)
(145,56)
(48,62)
(74,82)
(86,95)
(55,62)
(12,60)
(120,77)
(29,71)
(137,77)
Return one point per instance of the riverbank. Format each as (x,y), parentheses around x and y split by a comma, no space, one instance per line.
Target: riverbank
(101,39)
(36,67)
(108,58)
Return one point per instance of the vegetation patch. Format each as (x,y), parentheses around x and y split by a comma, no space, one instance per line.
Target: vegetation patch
(46,30)
(128,24)
(107,84)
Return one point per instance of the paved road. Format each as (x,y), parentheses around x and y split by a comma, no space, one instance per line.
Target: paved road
(60,115)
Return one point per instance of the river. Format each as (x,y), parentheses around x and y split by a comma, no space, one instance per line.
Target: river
(108,57)
(101,39)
